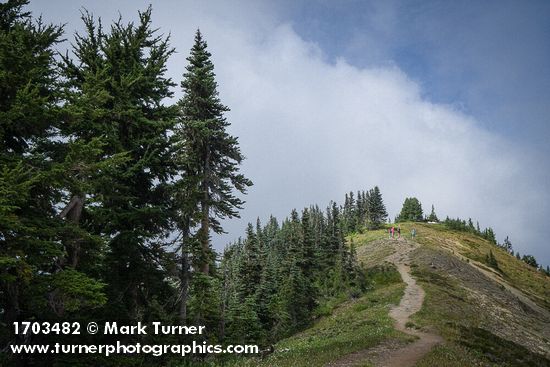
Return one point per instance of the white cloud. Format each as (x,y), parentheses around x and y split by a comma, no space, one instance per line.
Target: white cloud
(312,130)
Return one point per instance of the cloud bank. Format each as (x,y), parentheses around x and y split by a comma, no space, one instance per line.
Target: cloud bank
(313,129)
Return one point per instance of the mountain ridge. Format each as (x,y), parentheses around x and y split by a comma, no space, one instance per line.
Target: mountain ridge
(484,316)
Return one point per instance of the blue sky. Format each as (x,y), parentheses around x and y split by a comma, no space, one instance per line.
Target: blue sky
(488,58)
(445,101)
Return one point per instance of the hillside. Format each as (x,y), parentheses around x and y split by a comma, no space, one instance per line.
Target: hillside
(468,312)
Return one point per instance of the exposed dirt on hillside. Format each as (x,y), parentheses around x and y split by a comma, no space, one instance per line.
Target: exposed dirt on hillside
(500,308)
(497,277)
(392,354)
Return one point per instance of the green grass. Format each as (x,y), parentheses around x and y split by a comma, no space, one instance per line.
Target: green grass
(497,350)
(382,275)
(366,236)
(450,355)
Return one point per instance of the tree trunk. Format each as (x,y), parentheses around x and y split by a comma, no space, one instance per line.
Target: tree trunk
(73,212)
(184,273)
(12,305)
(205,240)
(223,305)
(134,306)
(184,285)
(205,220)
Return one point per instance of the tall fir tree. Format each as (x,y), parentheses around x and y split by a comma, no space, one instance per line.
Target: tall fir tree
(116,85)
(349,213)
(210,153)
(432,217)
(40,273)
(377,213)
(308,263)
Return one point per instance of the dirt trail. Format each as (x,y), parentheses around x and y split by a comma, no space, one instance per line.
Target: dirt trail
(392,355)
(411,303)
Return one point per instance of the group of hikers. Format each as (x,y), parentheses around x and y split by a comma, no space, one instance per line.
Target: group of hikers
(396,232)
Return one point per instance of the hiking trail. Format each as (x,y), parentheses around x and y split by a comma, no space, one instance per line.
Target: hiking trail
(393,354)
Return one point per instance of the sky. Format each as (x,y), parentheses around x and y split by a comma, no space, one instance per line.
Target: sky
(444,101)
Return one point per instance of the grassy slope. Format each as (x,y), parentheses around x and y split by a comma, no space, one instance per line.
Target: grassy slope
(460,316)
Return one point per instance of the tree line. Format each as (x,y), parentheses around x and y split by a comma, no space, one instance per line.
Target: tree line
(277,276)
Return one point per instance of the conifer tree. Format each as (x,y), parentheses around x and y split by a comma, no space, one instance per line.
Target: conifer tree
(433,217)
(491,260)
(411,211)
(377,213)
(335,230)
(471,227)
(38,241)
(251,266)
(308,264)
(360,211)
(349,213)
(489,235)
(28,229)
(114,90)
(530,260)
(507,245)
(210,153)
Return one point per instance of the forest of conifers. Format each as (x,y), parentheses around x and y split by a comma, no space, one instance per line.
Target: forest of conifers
(110,196)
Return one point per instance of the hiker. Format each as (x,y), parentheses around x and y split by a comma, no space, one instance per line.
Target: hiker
(392,231)
(413,233)
(399,231)
(389,232)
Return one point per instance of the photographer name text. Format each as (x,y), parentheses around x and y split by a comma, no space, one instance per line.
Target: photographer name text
(157,328)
